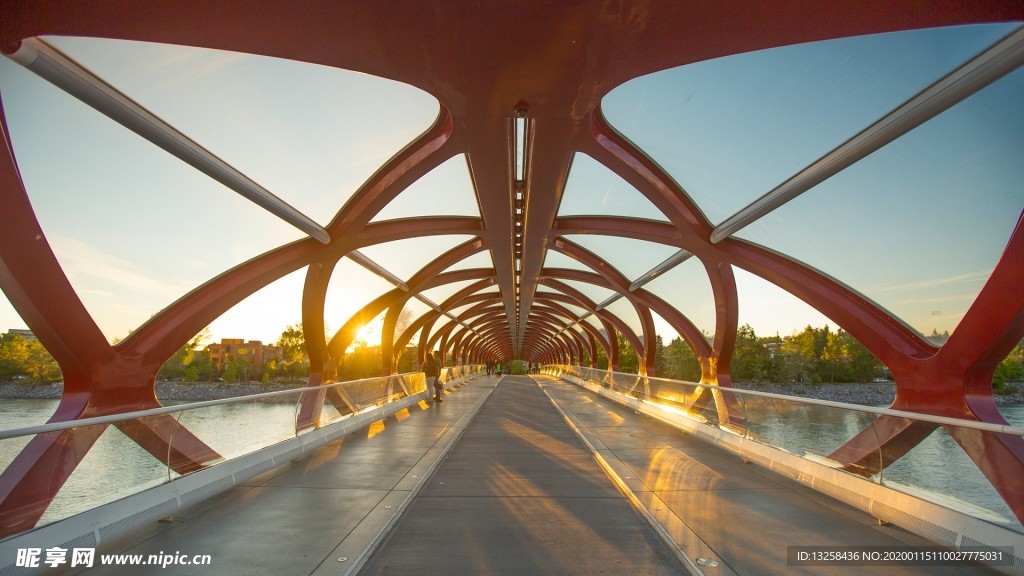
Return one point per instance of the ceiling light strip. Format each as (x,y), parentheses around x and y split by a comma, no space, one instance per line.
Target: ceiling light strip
(1000,59)
(54,66)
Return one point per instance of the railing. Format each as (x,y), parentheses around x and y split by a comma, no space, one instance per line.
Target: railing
(936,470)
(198,435)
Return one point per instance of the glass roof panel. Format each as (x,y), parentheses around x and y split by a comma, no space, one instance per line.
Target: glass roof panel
(555,259)
(633,258)
(132,227)
(772,311)
(624,310)
(351,287)
(593,189)
(786,106)
(446,190)
(479,260)
(687,289)
(919,225)
(404,258)
(310,134)
(596,293)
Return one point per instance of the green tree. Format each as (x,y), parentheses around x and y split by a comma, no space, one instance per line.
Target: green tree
(177,365)
(677,361)
(40,365)
(628,361)
(14,353)
(293,344)
(1011,368)
(750,358)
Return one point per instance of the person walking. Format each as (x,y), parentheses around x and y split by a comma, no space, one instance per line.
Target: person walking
(432,370)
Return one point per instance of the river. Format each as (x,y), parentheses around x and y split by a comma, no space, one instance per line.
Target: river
(936,469)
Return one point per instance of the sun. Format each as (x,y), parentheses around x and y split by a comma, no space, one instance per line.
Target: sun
(369,335)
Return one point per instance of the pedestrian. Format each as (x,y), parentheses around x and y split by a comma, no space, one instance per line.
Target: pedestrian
(432,371)
(438,387)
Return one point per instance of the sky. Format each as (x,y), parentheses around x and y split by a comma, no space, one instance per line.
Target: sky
(917,226)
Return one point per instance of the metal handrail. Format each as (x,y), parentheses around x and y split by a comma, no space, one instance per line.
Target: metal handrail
(111,418)
(944,420)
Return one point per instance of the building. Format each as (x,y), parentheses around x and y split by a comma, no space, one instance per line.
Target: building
(26,334)
(253,351)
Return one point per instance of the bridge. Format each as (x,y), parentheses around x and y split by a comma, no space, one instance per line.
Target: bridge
(523,184)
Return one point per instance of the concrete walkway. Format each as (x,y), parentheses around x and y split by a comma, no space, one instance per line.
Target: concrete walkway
(518,475)
(521,494)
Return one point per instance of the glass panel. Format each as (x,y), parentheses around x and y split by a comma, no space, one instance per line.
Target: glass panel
(675,357)
(596,293)
(624,310)
(445,190)
(404,258)
(234,430)
(478,260)
(633,258)
(770,310)
(809,99)
(95,482)
(938,470)
(351,288)
(132,227)
(555,259)
(687,289)
(593,189)
(919,225)
(310,134)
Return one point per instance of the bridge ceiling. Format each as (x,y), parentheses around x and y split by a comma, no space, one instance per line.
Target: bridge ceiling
(553,175)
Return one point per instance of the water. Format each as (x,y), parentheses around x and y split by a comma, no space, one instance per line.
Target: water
(116,466)
(936,469)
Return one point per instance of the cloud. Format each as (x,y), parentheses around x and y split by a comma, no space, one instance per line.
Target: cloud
(95,272)
(980,275)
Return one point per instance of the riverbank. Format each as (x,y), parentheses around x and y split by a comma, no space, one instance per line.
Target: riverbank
(863,394)
(165,391)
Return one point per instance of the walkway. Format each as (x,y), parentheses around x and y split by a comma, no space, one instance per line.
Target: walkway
(494,481)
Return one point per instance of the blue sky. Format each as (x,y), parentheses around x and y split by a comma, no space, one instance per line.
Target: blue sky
(917,226)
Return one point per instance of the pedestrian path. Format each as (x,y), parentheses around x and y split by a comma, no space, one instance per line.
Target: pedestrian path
(521,494)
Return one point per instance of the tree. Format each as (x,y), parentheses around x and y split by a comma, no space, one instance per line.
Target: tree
(13,356)
(750,358)
(1010,369)
(677,361)
(628,361)
(178,364)
(293,352)
(39,364)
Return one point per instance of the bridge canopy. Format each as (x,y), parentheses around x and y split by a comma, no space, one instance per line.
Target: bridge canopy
(515,180)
